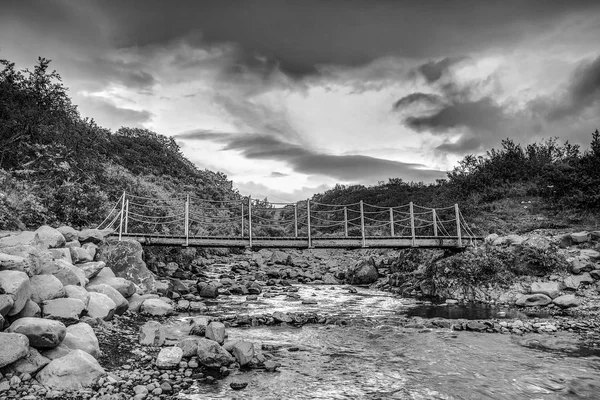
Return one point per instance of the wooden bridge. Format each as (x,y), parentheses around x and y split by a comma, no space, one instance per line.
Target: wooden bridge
(187,221)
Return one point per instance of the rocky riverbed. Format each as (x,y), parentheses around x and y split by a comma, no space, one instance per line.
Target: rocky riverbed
(208,326)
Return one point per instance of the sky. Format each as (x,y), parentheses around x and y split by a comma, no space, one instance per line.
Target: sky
(290,97)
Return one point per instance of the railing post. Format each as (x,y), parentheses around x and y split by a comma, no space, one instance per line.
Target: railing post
(121,219)
(126,214)
(308,222)
(458,232)
(412,224)
(296,220)
(346,221)
(362,224)
(435,233)
(242,219)
(392,221)
(186,220)
(250,220)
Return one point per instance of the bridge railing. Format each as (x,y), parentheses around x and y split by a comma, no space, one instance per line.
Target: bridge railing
(190,217)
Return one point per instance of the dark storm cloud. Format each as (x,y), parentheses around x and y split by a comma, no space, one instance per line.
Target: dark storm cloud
(356,168)
(434,70)
(300,36)
(418,98)
(583,92)
(465,144)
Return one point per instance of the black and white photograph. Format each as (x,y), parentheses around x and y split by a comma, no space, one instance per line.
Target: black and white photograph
(299,199)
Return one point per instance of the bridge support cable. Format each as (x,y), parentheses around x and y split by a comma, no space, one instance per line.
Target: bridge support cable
(295,220)
(126,214)
(187,220)
(392,222)
(458,230)
(242,225)
(308,223)
(434,219)
(362,224)
(412,223)
(122,212)
(250,220)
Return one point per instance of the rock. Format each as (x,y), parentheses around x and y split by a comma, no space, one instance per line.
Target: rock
(197,306)
(6,304)
(329,279)
(238,385)
(362,273)
(122,285)
(16,284)
(136,301)
(13,263)
(156,307)
(61,254)
(30,364)
(77,292)
(31,309)
(238,290)
(211,355)
(539,242)
(101,306)
(90,248)
(476,326)
(215,331)
(124,258)
(45,287)
(67,273)
(80,255)
(42,333)
(199,325)
(207,290)
(550,289)
(68,233)
(574,281)
(74,371)
(152,333)
(282,317)
(49,237)
(580,237)
(13,347)
(95,236)
(189,346)
(590,254)
(531,300)
(115,296)
(254,288)
(65,310)
(567,301)
(271,366)
(243,352)
(580,264)
(81,336)
(514,240)
(92,269)
(169,357)
(19,239)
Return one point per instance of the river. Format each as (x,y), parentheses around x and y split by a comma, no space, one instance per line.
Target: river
(372,357)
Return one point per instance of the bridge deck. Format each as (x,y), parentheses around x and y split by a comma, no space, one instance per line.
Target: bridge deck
(397,242)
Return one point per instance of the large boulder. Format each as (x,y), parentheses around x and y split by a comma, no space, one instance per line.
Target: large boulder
(9,262)
(30,364)
(66,310)
(115,296)
(207,290)
(77,292)
(75,371)
(90,248)
(362,273)
(212,355)
(580,237)
(66,272)
(81,336)
(31,309)
(136,301)
(156,307)
(80,255)
(124,258)
(550,289)
(101,306)
(26,238)
(243,352)
(92,269)
(567,301)
(573,282)
(46,287)
(13,347)
(68,233)
(35,257)
(61,254)
(16,284)
(531,300)
(49,238)
(591,254)
(42,333)
(215,331)
(122,285)
(169,357)
(6,304)
(189,346)
(95,236)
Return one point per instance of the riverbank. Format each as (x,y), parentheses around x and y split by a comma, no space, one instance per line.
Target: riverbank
(213,295)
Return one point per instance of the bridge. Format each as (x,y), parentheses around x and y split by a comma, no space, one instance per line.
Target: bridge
(246,223)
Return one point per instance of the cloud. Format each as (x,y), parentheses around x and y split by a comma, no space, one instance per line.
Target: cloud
(582,92)
(276,174)
(418,98)
(348,168)
(111,116)
(434,70)
(261,191)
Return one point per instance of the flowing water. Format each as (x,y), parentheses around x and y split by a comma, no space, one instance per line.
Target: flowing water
(378,359)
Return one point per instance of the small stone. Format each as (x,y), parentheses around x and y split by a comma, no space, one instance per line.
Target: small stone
(238,385)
